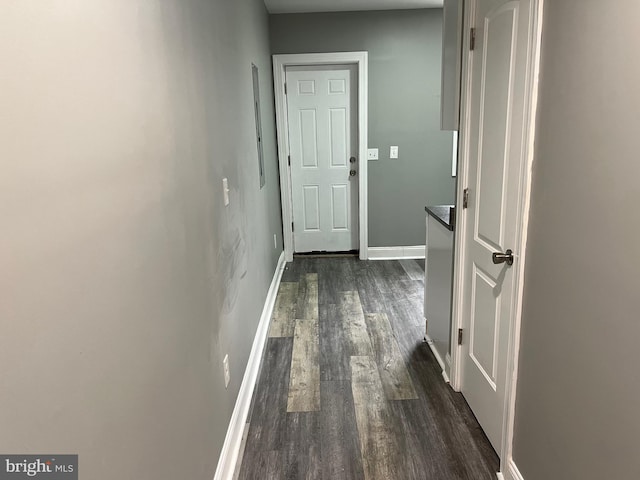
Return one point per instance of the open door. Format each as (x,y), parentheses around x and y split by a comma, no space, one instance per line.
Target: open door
(498,126)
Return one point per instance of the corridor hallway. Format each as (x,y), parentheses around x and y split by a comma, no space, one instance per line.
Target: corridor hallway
(349,390)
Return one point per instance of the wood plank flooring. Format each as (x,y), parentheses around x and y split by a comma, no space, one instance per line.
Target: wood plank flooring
(392,368)
(304,379)
(349,390)
(284,311)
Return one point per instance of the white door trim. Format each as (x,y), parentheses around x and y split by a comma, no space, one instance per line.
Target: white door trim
(280,62)
(533,69)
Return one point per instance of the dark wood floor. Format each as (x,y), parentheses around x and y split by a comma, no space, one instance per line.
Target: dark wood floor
(349,390)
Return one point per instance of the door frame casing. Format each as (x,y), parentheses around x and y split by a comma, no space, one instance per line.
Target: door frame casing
(457,320)
(280,63)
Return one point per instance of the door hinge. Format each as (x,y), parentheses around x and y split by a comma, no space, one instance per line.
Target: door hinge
(465,198)
(472,39)
(459,336)
(289,159)
(285,88)
(292,228)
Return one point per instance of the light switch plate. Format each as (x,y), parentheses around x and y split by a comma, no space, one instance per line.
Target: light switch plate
(225,191)
(225,366)
(393,152)
(372,154)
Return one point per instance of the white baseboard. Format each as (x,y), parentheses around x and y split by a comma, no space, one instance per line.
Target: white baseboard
(512,472)
(396,253)
(447,370)
(233,440)
(438,358)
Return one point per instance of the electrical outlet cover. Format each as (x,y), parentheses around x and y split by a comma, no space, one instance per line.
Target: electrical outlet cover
(372,154)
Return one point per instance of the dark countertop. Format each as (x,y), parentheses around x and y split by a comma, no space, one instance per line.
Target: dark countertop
(445,214)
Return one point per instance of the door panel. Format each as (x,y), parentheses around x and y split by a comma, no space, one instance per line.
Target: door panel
(496,156)
(311,208)
(322,115)
(306,87)
(337,86)
(497,74)
(338,137)
(484,324)
(308,138)
(340,206)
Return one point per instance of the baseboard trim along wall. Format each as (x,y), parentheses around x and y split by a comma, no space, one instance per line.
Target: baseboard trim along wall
(438,358)
(396,253)
(233,440)
(512,472)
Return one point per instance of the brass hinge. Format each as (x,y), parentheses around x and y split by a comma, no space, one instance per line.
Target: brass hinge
(292,229)
(459,336)
(289,158)
(465,198)
(472,39)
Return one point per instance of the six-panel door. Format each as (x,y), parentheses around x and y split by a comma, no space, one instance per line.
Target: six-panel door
(322,117)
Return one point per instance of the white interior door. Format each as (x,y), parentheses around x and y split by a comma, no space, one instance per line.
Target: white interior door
(323,147)
(498,96)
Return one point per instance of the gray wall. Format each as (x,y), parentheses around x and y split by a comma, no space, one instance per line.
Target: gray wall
(578,386)
(405,48)
(123,279)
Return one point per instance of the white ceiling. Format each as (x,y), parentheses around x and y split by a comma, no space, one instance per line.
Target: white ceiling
(306,6)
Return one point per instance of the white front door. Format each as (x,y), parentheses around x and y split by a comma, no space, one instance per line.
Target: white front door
(498,99)
(323,147)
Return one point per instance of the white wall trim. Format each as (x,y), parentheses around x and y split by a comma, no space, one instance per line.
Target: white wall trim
(512,472)
(454,155)
(460,230)
(280,62)
(521,237)
(233,440)
(396,253)
(514,341)
(438,358)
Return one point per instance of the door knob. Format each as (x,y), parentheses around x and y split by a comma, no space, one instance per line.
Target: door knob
(352,173)
(352,160)
(506,257)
